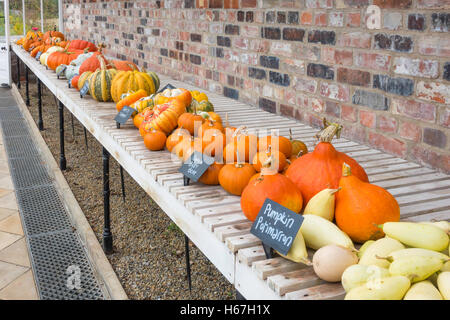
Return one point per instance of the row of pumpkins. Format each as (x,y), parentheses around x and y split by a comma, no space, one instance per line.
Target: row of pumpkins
(328,187)
(82,62)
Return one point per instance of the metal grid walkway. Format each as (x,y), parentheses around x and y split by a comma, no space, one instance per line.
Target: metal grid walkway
(59,262)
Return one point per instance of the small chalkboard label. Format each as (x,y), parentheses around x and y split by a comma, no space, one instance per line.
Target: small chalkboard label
(124,114)
(276,226)
(167,86)
(38,55)
(69,82)
(194,167)
(85,89)
(60,71)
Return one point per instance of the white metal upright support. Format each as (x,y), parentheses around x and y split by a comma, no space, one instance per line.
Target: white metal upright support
(42,16)
(23,18)
(60,16)
(7,39)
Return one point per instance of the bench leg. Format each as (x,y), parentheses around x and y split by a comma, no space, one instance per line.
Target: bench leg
(122,182)
(188,263)
(73,127)
(107,235)
(62,155)
(85,138)
(27,91)
(18,71)
(39,88)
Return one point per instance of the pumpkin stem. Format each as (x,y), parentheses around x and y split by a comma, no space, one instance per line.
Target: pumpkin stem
(329,131)
(238,131)
(291,137)
(346,170)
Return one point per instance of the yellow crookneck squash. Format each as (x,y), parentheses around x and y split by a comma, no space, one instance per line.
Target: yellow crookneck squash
(126,81)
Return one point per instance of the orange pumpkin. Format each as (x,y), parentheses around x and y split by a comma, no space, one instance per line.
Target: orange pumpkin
(62,57)
(322,168)
(189,121)
(53,34)
(185,148)
(155,140)
(207,125)
(141,116)
(165,116)
(276,159)
(123,65)
(243,143)
(213,142)
(78,44)
(176,137)
(282,143)
(74,81)
(361,207)
(235,177)
(276,187)
(298,146)
(211,175)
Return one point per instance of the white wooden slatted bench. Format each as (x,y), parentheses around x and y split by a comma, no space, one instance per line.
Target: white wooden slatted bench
(212,218)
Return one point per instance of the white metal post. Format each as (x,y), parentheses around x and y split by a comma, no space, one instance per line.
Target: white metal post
(60,16)
(23,18)
(42,16)
(7,39)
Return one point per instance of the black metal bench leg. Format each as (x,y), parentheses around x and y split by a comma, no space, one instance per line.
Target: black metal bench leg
(188,263)
(40,122)
(122,183)
(85,138)
(62,155)
(27,91)
(73,126)
(107,235)
(18,71)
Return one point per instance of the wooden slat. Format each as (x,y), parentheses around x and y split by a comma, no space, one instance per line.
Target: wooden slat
(293,281)
(329,291)
(251,254)
(278,265)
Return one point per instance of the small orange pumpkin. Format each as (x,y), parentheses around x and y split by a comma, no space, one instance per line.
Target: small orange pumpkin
(176,137)
(234,177)
(189,121)
(211,175)
(155,140)
(361,207)
(276,159)
(284,144)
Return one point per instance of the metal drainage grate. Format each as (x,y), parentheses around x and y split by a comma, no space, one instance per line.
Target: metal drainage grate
(57,255)
(62,268)
(14,128)
(20,147)
(42,210)
(28,172)
(10,113)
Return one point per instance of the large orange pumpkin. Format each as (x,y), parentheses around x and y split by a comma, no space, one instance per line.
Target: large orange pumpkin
(322,168)
(361,207)
(276,187)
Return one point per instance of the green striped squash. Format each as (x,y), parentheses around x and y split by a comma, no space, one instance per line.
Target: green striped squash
(155,78)
(100,83)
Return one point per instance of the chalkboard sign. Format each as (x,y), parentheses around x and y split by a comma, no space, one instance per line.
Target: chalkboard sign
(167,86)
(276,226)
(60,71)
(69,82)
(124,114)
(38,55)
(85,89)
(194,167)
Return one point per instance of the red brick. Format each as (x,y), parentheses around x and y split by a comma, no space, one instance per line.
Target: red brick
(367,118)
(317,105)
(434,46)
(410,131)
(335,91)
(373,61)
(320,19)
(349,113)
(248,3)
(393,4)
(416,67)
(390,145)
(387,124)
(307,85)
(231,4)
(433,91)
(444,118)
(433,4)
(355,133)
(414,109)
(353,77)
(355,40)
(319,4)
(336,56)
(202,4)
(434,137)
(429,157)
(353,19)
(286,110)
(306,18)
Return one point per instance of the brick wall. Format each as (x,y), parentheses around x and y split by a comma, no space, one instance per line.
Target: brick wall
(388,86)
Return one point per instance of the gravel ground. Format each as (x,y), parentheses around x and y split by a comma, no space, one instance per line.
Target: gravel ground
(148,253)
